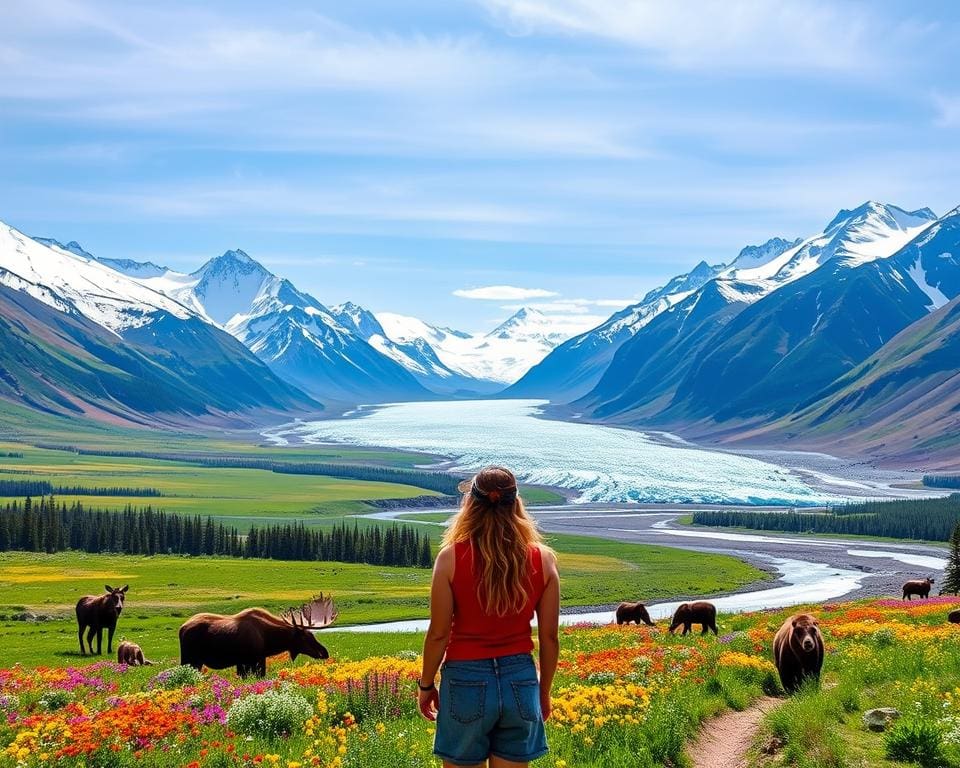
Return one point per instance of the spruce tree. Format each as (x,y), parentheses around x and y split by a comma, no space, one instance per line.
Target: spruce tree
(951,575)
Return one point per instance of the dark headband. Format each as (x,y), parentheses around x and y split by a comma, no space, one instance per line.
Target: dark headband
(496,496)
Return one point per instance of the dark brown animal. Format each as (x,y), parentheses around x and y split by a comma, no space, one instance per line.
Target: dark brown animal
(130,654)
(919,587)
(246,639)
(700,612)
(96,613)
(635,612)
(798,651)
(954,616)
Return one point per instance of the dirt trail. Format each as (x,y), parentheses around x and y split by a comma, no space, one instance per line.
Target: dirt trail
(725,740)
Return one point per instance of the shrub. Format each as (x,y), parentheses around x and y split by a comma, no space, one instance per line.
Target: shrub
(54,700)
(916,740)
(269,715)
(177,677)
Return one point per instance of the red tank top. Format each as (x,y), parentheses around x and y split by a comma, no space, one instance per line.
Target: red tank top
(474,633)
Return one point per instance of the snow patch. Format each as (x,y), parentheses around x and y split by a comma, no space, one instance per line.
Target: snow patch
(919,276)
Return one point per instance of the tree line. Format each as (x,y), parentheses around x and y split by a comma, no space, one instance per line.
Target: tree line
(434,481)
(927,519)
(11,455)
(397,545)
(46,526)
(46,488)
(942,481)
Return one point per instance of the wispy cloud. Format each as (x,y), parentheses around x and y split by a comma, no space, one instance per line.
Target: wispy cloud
(572,306)
(713,34)
(592,146)
(503,293)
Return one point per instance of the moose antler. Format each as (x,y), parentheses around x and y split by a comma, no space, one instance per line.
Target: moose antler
(317,614)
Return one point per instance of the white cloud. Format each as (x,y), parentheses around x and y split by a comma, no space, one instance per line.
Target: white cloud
(714,34)
(503,293)
(582,307)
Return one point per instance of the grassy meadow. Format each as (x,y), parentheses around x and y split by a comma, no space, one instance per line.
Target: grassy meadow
(164,590)
(625,697)
(216,491)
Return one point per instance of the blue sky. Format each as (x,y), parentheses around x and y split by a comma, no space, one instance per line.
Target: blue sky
(405,154)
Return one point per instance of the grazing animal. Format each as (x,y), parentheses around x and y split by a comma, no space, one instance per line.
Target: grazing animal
(246,639)
(96,613)
(700,612)
(130,654)
(798,651)
(919,587)
(635,612)
(954,616)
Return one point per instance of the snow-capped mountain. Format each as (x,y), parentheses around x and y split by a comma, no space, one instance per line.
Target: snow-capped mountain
(73,281)
(853,237)
(871,231)
(412,352)
(296,335)
(128,267)
(575,366)
(755,348)
(497,358)
(80,338)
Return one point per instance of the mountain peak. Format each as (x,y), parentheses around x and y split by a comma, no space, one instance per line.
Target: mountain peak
(753,256)
(235,260)
(238,255)
(884,210)
(526,321)
(358,320)
(72,247)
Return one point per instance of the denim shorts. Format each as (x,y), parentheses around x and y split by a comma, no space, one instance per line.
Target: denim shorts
(490,707)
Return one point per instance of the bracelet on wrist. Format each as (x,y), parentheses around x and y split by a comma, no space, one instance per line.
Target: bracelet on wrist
(423,687)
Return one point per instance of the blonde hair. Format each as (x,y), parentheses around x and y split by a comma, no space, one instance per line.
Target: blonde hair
(493,520)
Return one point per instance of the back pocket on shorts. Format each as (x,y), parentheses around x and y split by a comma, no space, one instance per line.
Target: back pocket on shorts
(466,700)
(527,694)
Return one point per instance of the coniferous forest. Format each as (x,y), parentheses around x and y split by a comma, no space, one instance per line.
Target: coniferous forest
(942,481)
(927,519)
(46,488)
(44,525)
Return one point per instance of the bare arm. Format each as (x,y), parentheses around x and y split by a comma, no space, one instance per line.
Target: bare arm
(548,629)
(438,633)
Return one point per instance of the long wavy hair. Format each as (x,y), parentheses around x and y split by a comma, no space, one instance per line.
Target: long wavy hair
(493,519)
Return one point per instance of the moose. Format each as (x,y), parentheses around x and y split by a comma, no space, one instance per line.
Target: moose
(130,654)
(919,587)
(98,612)
(700,612)
(635,612)
(246,639)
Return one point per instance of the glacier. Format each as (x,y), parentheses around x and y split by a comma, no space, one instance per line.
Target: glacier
(599,463)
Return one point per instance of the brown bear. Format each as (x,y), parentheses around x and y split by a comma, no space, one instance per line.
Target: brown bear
(635,612)
(954,616)
(130,654)
(919,587)
(700,612)
(798,651)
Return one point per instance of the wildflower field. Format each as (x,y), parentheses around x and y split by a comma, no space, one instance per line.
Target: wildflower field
(629,696)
